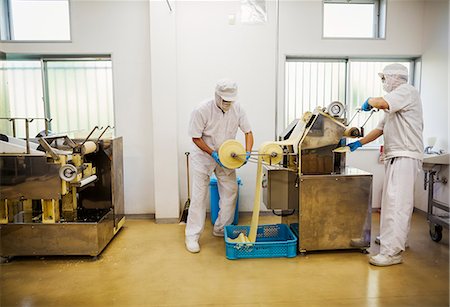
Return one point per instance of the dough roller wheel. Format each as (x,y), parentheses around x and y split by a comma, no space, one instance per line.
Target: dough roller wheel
(271,153)
(232,154)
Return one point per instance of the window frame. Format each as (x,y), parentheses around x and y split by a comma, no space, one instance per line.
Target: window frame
(414,77)
(379,14)
(7,28)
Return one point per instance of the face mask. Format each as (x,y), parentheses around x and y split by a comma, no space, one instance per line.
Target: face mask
(387,87)
(226,105)
(223,105)
(390,83)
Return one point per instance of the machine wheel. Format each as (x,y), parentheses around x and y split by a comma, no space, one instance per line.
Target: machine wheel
(436,232)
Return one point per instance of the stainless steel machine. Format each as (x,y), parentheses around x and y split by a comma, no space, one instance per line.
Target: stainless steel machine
(60,196)
(326,203)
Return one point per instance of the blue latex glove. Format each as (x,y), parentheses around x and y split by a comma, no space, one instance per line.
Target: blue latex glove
(355,145)
(215,156)
(247,156)
(366,106)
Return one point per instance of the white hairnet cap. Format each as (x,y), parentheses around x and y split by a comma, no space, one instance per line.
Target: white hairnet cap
(395,69)
(227,89)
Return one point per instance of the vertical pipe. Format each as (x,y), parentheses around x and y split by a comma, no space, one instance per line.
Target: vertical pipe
(45,92)
(14,126)
(27,134)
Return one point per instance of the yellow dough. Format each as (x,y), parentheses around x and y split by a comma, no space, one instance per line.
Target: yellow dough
(232,154)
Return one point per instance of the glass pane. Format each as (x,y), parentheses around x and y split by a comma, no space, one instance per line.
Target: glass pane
(364,83)
(23,95)
(348,20)
(80,95)
(40,20)
(310,84)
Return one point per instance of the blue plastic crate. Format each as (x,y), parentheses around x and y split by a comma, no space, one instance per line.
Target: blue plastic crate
(272,241)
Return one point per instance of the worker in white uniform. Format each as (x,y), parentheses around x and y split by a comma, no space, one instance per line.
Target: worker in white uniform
(402,128)
(212,123)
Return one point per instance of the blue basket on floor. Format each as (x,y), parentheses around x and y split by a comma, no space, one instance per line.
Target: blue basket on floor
(272,241)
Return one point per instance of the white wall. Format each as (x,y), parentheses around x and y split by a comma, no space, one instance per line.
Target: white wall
(209,48)
(434,90)
(165,134)
(122,29)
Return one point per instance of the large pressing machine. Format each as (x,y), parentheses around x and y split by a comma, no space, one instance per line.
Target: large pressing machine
(326,203)
(59,196)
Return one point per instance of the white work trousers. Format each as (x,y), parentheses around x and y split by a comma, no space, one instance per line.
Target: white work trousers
(397,203)
(227,185)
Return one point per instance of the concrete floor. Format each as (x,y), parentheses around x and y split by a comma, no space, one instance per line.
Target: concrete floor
(147,265)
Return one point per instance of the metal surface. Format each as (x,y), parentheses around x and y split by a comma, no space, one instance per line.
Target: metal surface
(432,216)
(56,239)
(107,192)
(333,207)
(39,220)
(28,177)
(322,136)
(324,131)
(334,210)
(280,190)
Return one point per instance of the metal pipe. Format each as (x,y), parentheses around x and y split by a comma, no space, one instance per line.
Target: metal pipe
(14,127)
(357,111)
(168,4)
(98,140)
(87,138)
(27,134)
(371,113)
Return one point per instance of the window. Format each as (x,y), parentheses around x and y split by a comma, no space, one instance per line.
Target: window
(318,82)
(364,83)
(77,94)
(312,83)
(34,20)
(354,18)
(23,96)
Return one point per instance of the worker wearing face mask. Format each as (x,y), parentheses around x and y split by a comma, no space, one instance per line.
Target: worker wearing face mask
(212,123)
(402,128)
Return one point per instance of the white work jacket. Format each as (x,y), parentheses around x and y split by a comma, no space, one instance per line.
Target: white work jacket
(214,126)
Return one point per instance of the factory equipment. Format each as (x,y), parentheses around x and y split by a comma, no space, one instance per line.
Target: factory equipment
(437,211)
(59,196)
(326,203)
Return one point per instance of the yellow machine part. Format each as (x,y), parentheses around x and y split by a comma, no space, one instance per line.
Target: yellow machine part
(50,211)
(3,211)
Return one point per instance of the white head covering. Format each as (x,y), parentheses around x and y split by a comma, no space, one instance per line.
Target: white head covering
(226,94)
(394,75)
